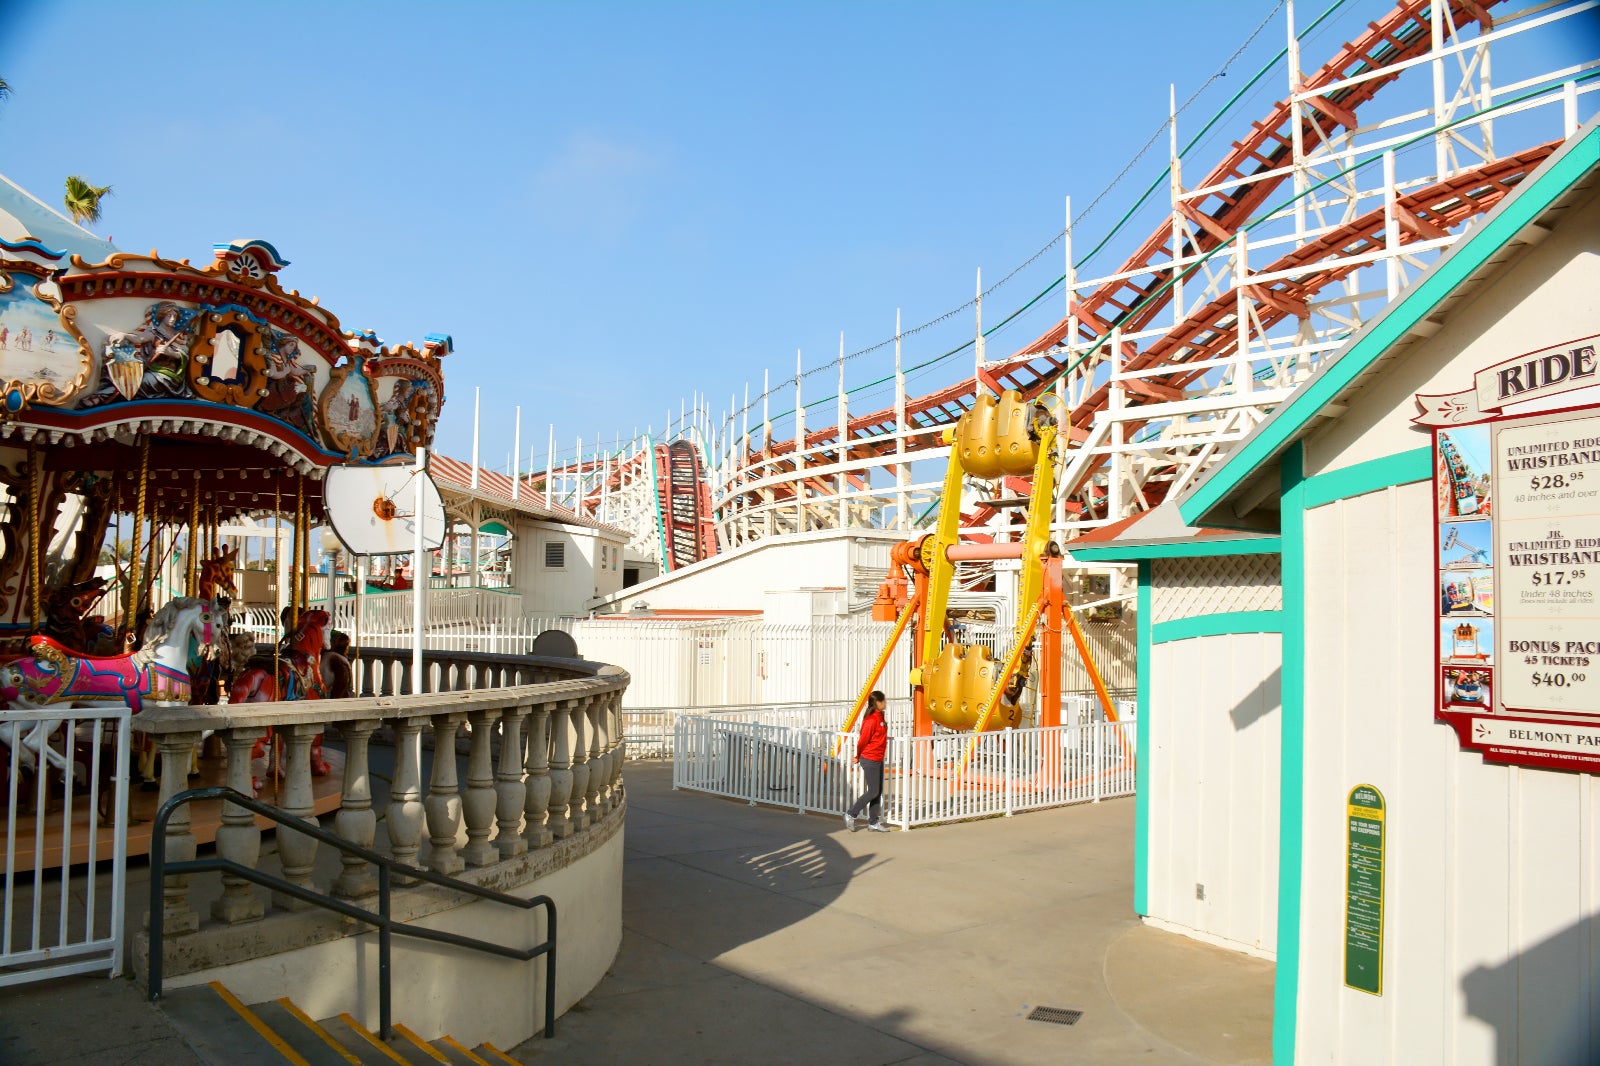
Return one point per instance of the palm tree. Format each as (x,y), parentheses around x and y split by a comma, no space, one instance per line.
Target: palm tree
(83,200)
(5,88)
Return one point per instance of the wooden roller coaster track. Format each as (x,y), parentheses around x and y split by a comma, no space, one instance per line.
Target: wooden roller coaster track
(1173,364)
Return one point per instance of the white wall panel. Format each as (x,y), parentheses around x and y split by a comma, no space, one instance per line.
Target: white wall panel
(1489,952)
(1214,730)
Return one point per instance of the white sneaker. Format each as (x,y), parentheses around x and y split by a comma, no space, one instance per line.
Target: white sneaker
(849,821)
(877,827)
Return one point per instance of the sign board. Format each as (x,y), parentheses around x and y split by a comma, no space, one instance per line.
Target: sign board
(372,509)
(1517,617)
(1363,901)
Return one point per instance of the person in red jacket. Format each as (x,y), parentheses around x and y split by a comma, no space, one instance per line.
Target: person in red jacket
(869,756)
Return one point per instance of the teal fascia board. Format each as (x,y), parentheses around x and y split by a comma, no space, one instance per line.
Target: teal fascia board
(1477,248)
(1370,476)
(1216,625)
(1141,766)
(1200,547)
(1291,758)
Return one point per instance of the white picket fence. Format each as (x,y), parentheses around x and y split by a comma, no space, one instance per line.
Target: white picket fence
(927,780)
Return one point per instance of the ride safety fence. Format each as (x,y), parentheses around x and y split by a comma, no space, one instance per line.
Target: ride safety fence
(775,757)
(723,663)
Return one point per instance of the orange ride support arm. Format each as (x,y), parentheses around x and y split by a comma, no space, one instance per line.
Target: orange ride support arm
(1094,671)
(1050,646)
(921,720)
(911,608)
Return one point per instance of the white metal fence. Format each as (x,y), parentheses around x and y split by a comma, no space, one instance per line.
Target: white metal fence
(649,731)
(72,760)
(718,663)
(944,778)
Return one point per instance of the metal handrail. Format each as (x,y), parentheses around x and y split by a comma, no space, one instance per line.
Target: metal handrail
(160,868)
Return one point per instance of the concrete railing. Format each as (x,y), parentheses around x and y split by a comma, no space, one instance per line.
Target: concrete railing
(552,722)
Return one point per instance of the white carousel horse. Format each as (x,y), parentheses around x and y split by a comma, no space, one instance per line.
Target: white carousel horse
(157,674)
(32,744)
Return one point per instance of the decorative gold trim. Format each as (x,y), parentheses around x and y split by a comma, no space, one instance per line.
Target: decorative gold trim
(285,309)
(355,447)
(252,360)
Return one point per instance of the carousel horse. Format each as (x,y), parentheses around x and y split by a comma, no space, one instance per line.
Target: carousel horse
(33,744)
(296,675)
(158,673)
(65,611)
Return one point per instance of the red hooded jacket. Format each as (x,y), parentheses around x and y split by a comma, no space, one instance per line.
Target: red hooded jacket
(874,737)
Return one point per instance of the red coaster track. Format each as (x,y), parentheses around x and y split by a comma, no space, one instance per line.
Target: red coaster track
(685,501)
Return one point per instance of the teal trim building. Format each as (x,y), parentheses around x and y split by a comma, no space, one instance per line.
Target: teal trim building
(1314,548)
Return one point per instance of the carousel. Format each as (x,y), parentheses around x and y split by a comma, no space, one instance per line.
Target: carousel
(145,403)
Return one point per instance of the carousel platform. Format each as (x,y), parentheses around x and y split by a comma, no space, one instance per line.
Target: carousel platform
(205,815)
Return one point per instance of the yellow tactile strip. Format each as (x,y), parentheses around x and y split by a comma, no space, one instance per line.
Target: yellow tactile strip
(327,1038)
(422,1045)
(289,1054)
(362,1031)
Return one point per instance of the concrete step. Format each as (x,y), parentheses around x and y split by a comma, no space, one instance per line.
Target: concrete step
(301,1035)
(217,1030)
(364,1044)
(226,1032)
(494,1056)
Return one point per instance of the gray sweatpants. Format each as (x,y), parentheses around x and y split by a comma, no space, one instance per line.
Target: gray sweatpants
(872,770)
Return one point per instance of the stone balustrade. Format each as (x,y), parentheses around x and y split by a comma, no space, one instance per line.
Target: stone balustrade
(545,755)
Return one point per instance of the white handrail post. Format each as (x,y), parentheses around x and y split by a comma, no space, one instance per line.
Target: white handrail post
(420,578)
(800,765)
(1009,736)
(1099,758)
(906,757)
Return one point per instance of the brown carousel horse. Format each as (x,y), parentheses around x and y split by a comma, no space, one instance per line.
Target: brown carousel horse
(297,674)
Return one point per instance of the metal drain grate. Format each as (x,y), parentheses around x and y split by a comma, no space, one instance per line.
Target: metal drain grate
(1055,1015)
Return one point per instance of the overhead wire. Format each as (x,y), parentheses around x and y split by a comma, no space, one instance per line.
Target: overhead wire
(1159,180)
(1221,72)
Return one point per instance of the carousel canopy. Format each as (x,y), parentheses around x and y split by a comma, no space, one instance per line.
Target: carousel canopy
(23,216)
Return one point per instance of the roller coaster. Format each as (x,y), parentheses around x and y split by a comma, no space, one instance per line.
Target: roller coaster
(1315,217)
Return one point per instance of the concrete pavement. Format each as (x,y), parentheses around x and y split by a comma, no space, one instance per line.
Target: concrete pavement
(759,935)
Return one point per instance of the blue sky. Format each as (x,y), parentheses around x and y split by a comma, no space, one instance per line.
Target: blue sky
(612,205)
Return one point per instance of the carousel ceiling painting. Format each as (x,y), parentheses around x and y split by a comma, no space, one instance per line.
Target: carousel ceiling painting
(43,356)
(96,350)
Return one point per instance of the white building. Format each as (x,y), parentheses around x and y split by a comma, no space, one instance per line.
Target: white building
(1308,667)
(558,561)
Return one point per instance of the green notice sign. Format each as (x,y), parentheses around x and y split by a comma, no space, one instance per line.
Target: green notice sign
(1363,905)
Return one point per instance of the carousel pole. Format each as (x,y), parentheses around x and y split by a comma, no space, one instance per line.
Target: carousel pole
(148,582)
(192,585)
(130,618)
(305,547)
(35,507)
(277,558)
(419,579)
(296,561)
(116,545)
(298,573)
(359,569)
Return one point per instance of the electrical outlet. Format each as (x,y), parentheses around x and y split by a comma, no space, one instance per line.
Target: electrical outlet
(1199,890)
